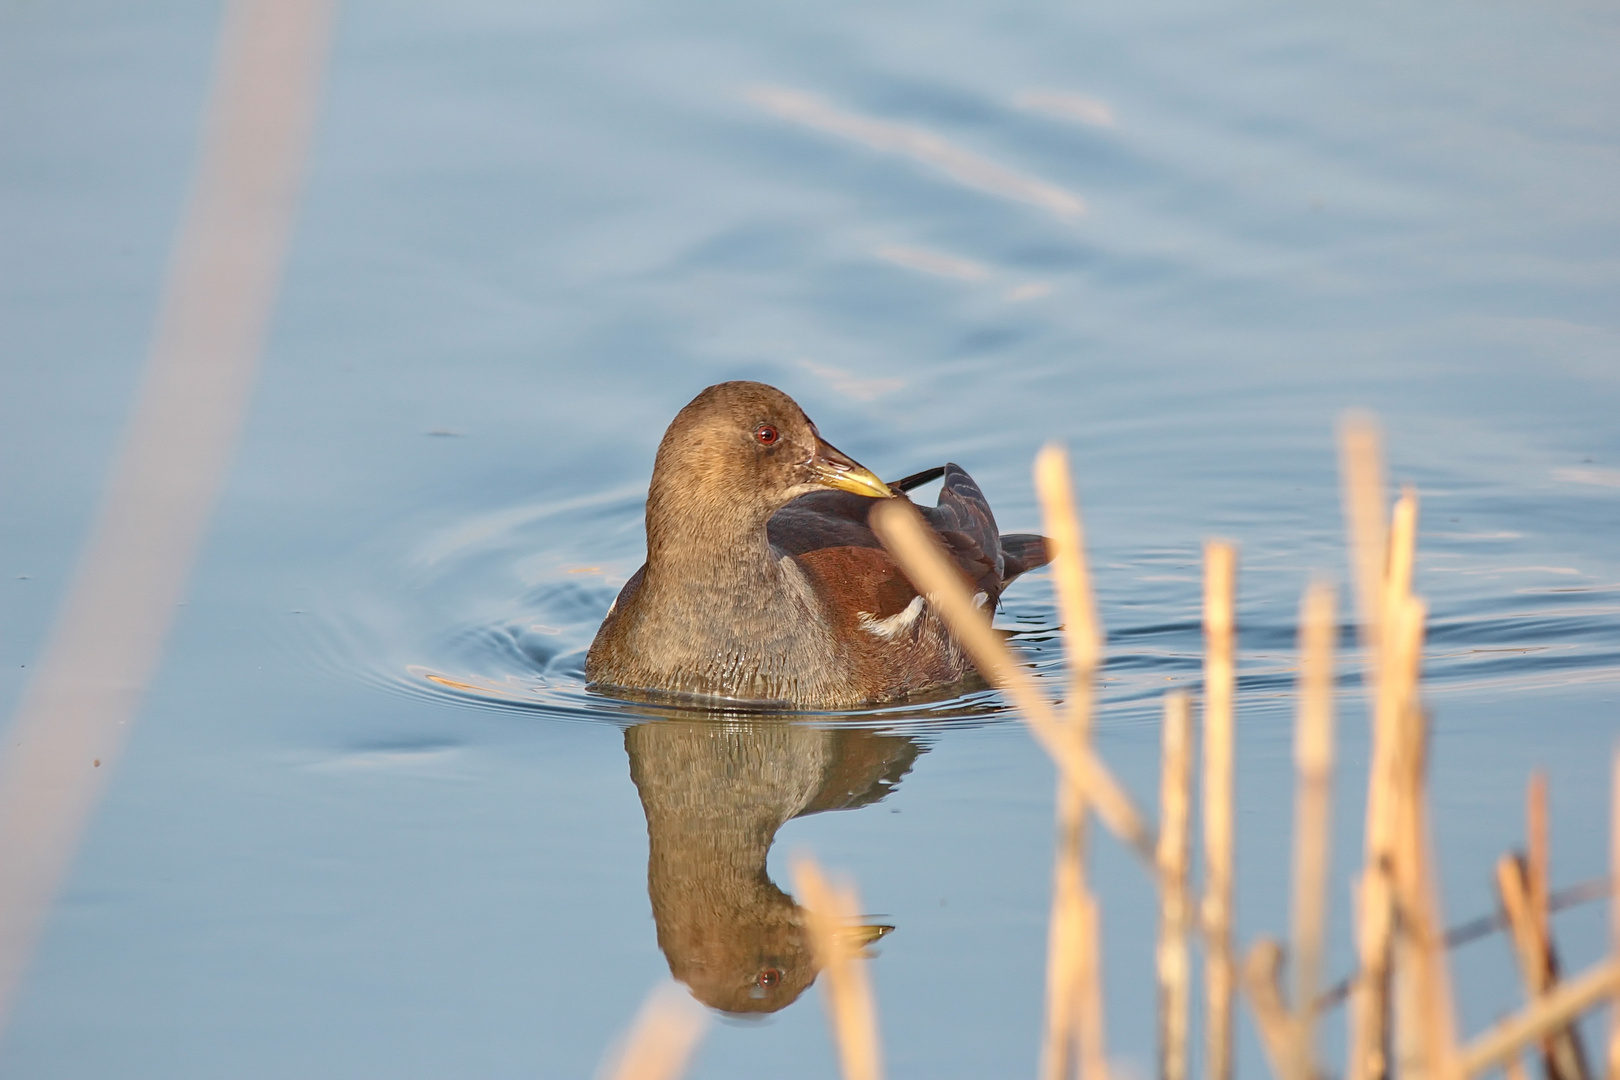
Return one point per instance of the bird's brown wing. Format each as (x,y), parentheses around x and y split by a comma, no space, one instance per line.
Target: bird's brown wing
(864,767)
(1021,553)
(962,519)
(823,519)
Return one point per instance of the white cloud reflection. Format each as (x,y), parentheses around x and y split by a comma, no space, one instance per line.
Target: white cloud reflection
(851,385)
(921,145)
(933,262)
(1075,107)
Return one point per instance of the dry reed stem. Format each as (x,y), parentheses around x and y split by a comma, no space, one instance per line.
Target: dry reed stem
(1426,1025)
(919,554)
(1408,970)
(1064,935)
(1089,1024)
(1511,1036)
(661,1041)
(1513,889)
(1220,574)
(1361,464)
(1065,537)
(829,910)
(1561,1052)
(1475,929)
(1369,998)
(1394,681)
(1074,992)
(88,683)
(1538,857)
(1435,1011)
(1513,1068)
(1402,551)
(1562,1049)
(1175,806)
(1313,758)
(1361,468)
(1262,981)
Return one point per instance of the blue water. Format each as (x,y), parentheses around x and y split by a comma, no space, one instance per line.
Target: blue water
(370,823)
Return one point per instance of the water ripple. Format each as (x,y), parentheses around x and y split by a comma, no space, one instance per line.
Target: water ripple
(497,612)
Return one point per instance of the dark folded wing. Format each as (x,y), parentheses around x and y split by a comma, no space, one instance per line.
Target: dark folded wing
(1021,553)
(823,519)
(962,519)
(864,766)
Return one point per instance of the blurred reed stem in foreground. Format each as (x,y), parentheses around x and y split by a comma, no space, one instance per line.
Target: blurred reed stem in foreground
(1074,1006)
(662,1039)
(1173,958)
(1220,687)
(1313,760)
(830,910)
(1400,1020)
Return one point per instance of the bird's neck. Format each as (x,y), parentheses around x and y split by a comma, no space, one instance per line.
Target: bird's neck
(702,544)
(720,613)
(714,798)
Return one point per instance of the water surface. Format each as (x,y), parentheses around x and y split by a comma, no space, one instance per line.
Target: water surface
(372,823)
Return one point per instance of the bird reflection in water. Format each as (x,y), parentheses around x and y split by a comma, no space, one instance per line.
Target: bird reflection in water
(715,792)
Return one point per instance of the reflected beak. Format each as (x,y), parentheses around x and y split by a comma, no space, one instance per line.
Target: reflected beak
(836,469)
(859,937)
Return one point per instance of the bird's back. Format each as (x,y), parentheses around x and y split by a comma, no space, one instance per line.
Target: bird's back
(899,644)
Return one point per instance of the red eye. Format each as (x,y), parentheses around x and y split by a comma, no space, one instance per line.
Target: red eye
(766,434)
(769,978)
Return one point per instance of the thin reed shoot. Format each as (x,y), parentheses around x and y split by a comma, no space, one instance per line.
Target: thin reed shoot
(1074,1013)
(1313,759)
(1220,688)
(1173,958)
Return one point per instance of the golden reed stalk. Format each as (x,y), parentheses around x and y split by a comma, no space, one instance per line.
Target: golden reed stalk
(1426,1025)
(662,1039)
(1089,1024)
(1066,543)
(829,911)
(1380,566)
(1361,465)
(1538,859)
(1074,1003)
(1313,759)
(1361,462)
(1561,1053)
(1175,898)
(1511,1036)
(913,545)
(1522,884)
(1261,978)
(1220,586)
(1065,935)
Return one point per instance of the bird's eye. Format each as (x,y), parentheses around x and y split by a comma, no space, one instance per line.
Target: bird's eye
(769,977)
(766,434)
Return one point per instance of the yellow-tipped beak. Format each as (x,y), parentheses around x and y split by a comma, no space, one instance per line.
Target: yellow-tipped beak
(838,470)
